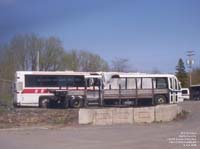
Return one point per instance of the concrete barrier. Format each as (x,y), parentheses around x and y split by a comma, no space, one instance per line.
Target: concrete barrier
(86,116)
(106,116)
(109,116)
(166,113)
(122,115)
(144,115)
(103,117)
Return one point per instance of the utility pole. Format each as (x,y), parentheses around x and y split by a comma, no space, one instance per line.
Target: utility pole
(190,62)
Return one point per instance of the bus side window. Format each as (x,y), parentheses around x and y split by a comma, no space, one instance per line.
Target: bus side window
(90,82)
(139,83)
(131,83)
(123,83)
(107,86)
(115,83)
(171,85)
(146,83)
(176,85)
(154,82)
(96,81)
(161,83)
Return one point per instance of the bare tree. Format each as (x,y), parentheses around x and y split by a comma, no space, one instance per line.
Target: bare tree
(121,65)
(34,45)
(71,60)
(91,62)
(52,55)
(22,51)
(79,60)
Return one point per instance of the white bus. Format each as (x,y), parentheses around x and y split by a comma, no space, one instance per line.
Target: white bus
(132,88)
(78,89)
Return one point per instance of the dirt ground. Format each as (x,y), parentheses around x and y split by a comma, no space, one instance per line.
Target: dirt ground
(178,134)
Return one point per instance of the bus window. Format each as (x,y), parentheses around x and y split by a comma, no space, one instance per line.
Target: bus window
(123,83)
(171,85)
(176,84)
(146,83)
(115,83)
(131,84)
(93,82)
(139,83)
(96,82)
(53,81)
(161,83)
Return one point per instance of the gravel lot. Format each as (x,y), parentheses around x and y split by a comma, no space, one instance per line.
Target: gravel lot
(138,136)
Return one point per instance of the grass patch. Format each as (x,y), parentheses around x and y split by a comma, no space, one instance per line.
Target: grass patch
(6,100)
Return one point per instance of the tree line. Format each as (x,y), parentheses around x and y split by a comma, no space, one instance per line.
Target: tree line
(21,54)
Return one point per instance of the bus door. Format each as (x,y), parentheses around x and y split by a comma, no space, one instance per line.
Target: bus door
(173,90)
(94,91)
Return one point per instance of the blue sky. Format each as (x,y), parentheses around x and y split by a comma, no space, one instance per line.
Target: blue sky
(152,34)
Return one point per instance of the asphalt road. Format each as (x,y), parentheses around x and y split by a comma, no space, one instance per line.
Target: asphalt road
(174,135)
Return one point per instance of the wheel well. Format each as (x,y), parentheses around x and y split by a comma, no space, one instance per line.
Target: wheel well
(43,97)
(76,98)
(166,96)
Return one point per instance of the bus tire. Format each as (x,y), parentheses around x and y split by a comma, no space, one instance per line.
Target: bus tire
(160,99)
(77,102)
(44,102)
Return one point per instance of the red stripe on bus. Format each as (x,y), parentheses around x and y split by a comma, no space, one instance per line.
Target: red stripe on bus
(34,91)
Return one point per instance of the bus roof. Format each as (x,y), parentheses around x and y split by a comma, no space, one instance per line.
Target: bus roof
(97,74)
(52,73)
(143,75)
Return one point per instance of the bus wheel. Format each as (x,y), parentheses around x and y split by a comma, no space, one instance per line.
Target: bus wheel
(44,102)
(160,99)
(76,102)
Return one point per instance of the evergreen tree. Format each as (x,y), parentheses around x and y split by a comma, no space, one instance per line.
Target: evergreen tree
(181,73)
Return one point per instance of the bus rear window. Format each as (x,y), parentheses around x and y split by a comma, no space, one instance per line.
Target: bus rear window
(54,81)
